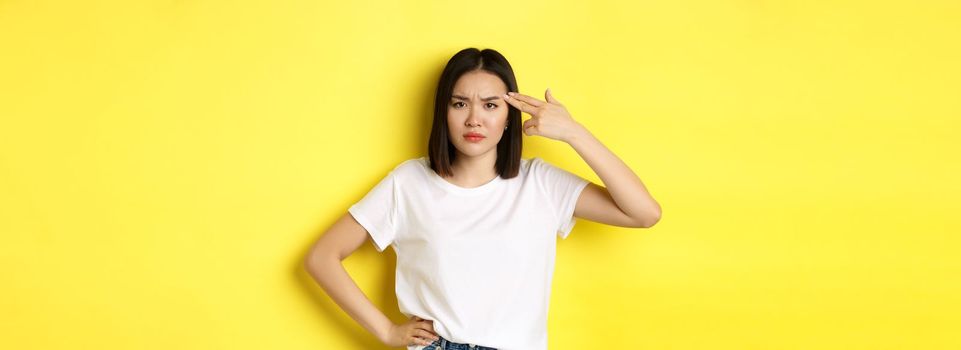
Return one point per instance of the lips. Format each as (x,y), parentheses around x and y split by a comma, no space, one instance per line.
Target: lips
(473,136)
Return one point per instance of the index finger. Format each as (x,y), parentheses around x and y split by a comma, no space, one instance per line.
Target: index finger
(527,99)
(427,326)
(521,105)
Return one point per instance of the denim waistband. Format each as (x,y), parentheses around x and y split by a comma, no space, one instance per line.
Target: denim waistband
(444,344)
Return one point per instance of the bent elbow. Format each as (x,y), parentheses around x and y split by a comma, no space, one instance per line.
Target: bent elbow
(651,220)
(309,263)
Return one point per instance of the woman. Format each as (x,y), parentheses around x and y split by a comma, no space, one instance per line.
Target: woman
(473,223)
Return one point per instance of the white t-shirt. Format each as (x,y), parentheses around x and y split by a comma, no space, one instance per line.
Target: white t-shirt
(477,261)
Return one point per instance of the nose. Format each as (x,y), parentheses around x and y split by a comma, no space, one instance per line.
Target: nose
(472,118)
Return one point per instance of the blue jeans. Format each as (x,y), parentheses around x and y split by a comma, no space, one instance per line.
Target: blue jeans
(444,344)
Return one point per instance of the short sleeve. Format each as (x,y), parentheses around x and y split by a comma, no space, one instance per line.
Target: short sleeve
(377,212)
(563,188)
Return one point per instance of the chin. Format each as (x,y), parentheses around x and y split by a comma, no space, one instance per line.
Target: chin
(473,150)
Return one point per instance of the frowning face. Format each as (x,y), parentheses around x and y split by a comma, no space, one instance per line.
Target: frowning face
(477,108)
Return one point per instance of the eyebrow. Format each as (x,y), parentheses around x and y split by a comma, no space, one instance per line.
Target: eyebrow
(483,99)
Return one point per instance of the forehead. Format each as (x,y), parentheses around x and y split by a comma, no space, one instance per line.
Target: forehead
(479,82)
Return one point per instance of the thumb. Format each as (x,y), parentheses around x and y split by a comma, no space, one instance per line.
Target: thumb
(530,129)
(550,97)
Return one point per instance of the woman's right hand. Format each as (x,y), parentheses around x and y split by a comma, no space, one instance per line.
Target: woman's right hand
(415,331)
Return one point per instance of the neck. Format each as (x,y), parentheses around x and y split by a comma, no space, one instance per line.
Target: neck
(473,171)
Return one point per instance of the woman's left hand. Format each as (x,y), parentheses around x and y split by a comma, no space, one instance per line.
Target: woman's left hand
(548,118)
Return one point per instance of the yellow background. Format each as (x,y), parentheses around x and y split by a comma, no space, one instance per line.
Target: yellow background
(165,165)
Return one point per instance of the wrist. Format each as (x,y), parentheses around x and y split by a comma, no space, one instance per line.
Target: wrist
(579,134)
(383,332)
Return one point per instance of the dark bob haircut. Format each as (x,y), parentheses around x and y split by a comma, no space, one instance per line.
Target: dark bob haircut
(441,152)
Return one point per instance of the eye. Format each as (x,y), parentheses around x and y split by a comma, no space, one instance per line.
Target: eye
(455,104)
(492,104)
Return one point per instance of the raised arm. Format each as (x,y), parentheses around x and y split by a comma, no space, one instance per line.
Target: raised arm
(625,200)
